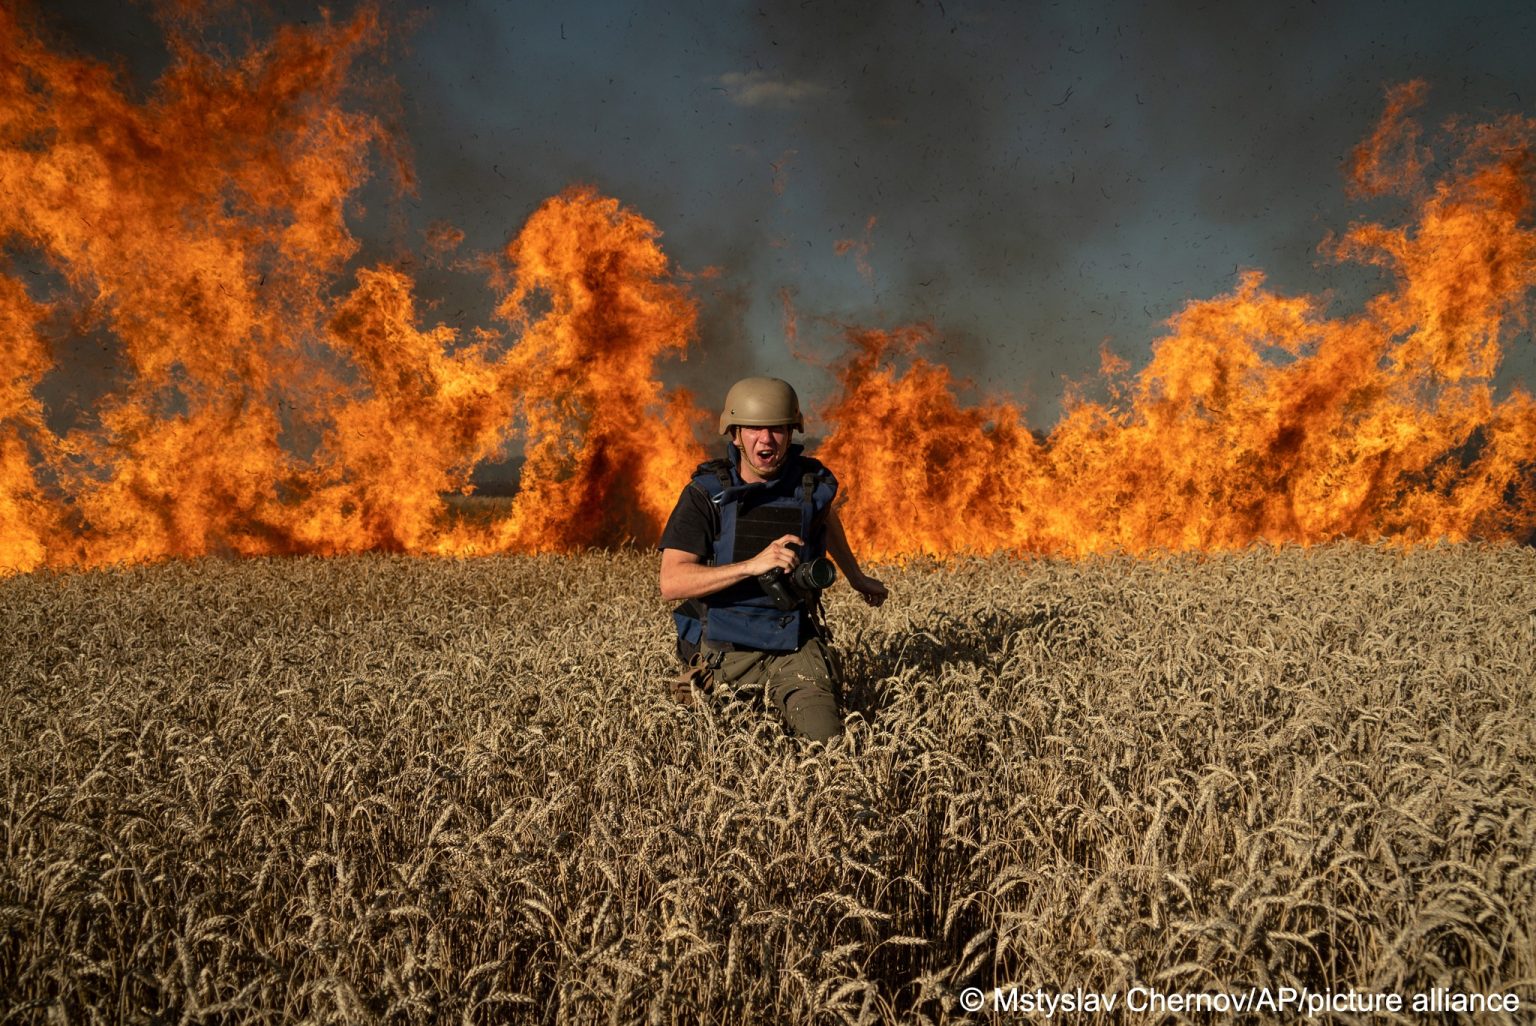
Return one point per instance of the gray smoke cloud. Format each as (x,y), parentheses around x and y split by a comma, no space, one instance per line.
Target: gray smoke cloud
(1043,179)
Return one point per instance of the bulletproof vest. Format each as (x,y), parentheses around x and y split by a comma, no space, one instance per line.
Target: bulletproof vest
(751,517)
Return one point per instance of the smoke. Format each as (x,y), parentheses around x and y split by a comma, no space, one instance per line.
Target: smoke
(1030,185)
(1047,178)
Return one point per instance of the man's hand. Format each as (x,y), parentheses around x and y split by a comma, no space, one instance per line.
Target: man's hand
(777,556)
(870,590)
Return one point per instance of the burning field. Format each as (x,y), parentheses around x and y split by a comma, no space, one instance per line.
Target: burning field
(1225,681)
(259,392)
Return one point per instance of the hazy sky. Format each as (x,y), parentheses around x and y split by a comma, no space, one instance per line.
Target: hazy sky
(1042,177)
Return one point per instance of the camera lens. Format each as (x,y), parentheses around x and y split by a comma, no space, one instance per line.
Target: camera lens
(815,575)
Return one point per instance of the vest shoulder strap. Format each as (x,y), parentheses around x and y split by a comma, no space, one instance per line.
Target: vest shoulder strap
(713,478)
(816,478)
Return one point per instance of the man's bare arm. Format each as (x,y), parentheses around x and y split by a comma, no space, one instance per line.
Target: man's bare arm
(685,575)
(872,591)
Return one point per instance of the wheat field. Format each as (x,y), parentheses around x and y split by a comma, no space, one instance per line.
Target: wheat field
(402,790)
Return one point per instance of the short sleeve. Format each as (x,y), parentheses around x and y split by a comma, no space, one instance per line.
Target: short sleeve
(690,528)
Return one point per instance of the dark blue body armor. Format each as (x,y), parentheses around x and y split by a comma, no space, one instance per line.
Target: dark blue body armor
(752,516)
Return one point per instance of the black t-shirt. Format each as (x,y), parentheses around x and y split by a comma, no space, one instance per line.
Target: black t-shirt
(693,525)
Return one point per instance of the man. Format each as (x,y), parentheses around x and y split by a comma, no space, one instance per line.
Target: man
(762,510)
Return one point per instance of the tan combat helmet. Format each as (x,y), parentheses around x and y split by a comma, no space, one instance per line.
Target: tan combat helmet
(761,402)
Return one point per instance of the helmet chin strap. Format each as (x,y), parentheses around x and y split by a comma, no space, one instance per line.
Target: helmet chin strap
(750,461)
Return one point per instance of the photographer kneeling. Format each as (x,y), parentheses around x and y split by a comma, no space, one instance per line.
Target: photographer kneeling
(744,551)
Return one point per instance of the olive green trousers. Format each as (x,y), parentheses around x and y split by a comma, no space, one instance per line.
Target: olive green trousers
(798,686)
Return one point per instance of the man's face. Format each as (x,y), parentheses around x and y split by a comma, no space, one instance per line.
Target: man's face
(763,449)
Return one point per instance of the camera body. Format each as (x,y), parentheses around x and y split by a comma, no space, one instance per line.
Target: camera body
(800,585)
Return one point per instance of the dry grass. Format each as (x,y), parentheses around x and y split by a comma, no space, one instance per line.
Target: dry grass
(404,790)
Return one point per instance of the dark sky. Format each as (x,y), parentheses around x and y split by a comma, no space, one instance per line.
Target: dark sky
(1043,177)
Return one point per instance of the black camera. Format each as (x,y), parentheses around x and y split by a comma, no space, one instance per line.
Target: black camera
(800,585)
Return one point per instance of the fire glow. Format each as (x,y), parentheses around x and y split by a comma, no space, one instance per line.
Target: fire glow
(261,404)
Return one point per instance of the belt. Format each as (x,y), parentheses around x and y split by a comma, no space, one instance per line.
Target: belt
(709,645)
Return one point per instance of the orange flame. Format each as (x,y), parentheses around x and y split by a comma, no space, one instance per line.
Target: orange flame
(202,233)
(585,370)
(1259,417)
(256,407)
(27,519)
